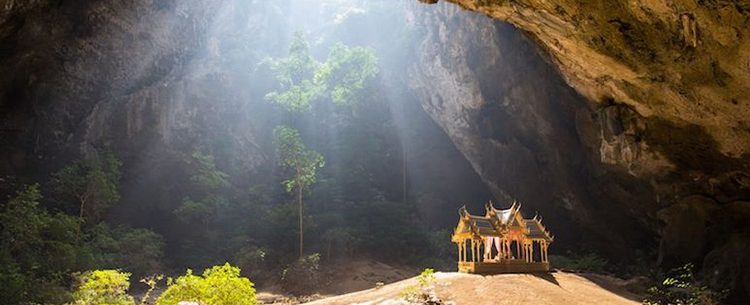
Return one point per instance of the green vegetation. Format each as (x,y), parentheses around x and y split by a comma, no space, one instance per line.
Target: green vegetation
(37,249)
(219,285)
(423,292)
(203,207)
(580,262)
(346,72)
(681,288)
(103,287)
(206,182)
(341,77)
(91,182)
(41,249)
(304,163)
(297,277)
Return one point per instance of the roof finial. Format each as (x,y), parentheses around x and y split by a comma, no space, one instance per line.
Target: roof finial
(462,211)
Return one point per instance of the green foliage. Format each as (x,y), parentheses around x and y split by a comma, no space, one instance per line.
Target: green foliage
(295,73)
(199,211)
(679,287)
(219,285)
(207,183)
(92,183)
(139,251)
(346,72)
(295,156)
(388,230)
(37,249)
(585,262)
(103,287)
(423,292)
(297,98)
(341,77)
(298,66)
(207,174)
(298,276)
(151,281)
(426,278)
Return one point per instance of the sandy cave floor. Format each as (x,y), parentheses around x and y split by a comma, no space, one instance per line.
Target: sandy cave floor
(551,288)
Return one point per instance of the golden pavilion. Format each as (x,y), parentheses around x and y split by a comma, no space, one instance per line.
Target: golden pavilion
(501,241)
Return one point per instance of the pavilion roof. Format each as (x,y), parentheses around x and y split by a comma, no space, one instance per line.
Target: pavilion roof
(537,230)
(497,221)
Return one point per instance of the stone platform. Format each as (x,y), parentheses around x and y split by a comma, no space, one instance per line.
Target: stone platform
(503,266)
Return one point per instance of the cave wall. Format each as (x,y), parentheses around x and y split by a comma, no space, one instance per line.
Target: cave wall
(650,146)
(529,135)
(656,130)
(147,79)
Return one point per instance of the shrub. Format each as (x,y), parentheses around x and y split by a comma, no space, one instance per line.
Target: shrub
(103,287)
(424,291)
(29,237)
(587,262)
(680,287)
(299,275)
(219,285)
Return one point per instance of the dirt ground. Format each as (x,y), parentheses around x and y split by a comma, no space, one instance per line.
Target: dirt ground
(341,278)
(551,288)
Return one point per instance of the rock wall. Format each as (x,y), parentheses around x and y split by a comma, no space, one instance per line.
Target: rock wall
(682,61)
(84,75)
(530,136)
(656,132)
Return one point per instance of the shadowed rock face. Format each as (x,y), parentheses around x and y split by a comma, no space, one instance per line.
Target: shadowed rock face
(682,61)
(131,76)
(657,130)
(529,135)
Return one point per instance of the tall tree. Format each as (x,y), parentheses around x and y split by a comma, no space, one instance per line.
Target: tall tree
(91,182)
(341,77)
(303,163)
(295,74)
(207,183)
(304,81)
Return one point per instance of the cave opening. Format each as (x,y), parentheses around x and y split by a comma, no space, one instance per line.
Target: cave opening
(308,142)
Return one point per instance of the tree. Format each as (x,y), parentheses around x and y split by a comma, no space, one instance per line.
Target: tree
(29,238)
(219,285)
(91,182)
(296,74)
(207,183)
(103,287)
(303,163)
(344,74)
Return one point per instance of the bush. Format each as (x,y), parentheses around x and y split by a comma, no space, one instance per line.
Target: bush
(219,285)
(587,262)
(103,287)
(424,291)
(29,238)
(139,251)
(680,287)
(299,276)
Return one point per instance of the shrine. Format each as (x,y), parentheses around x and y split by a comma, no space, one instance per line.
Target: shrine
(501,241)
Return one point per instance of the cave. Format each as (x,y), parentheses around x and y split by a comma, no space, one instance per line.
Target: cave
(338,140)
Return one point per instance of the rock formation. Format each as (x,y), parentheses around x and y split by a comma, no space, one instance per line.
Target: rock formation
(657,130)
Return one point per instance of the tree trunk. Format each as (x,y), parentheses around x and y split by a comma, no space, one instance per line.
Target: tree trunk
(301,234)
(403,174)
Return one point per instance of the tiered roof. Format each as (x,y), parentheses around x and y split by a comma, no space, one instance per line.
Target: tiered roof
(497,222)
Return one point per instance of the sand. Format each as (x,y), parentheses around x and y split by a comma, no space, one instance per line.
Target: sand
(551,288)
